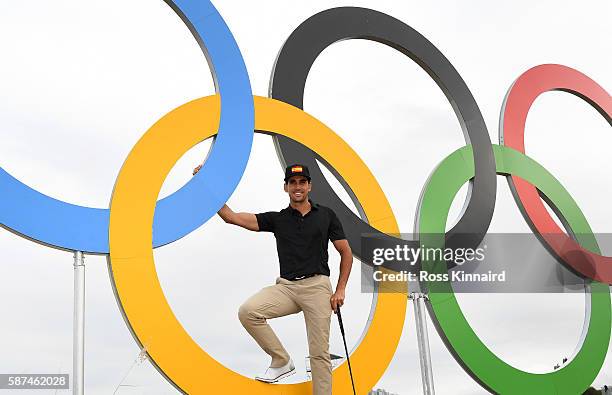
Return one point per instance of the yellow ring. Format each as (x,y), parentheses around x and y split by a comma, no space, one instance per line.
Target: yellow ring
(132,267)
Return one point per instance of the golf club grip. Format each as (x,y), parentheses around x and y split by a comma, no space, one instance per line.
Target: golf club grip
(340,320)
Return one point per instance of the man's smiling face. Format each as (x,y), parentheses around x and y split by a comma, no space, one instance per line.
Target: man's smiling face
(298,188)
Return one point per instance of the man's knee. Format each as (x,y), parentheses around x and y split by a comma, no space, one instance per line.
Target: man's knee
(246,313)
(243,313)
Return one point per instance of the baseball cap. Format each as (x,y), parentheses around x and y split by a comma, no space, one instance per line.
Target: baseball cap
(297,170)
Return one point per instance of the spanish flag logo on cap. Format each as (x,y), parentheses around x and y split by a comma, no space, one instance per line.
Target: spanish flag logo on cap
(296,169)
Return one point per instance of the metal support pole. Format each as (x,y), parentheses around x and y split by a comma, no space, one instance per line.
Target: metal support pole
(420,316)
(78,331)
(417,319)
(426,353)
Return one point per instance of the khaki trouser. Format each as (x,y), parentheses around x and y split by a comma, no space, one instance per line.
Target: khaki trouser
(310,295)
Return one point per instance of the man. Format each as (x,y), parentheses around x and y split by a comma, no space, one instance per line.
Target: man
(302,231)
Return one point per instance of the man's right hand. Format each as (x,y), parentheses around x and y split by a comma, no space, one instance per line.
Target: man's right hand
(197,169)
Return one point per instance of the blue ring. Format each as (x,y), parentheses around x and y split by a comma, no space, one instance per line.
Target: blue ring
(63,225)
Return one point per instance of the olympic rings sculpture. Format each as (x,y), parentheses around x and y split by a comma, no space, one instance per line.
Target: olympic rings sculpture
(136,223)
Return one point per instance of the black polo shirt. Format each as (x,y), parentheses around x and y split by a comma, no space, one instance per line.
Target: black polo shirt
(301,241)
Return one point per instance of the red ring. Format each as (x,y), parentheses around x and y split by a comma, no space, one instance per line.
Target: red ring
(522,94)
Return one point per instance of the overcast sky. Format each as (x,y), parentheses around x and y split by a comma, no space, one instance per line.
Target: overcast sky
(80,82)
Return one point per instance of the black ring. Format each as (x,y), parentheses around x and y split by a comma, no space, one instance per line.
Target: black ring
(289,79)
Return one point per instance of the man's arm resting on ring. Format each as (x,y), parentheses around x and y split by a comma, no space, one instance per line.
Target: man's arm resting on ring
(244,220)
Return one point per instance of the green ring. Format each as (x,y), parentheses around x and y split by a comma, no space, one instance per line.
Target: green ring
(485,367)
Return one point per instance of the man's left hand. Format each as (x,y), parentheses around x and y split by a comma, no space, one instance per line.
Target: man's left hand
(337,300)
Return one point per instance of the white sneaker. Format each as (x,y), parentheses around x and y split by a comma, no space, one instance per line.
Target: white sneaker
(272,375)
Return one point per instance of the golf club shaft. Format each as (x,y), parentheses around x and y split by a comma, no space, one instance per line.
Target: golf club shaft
(345,348)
